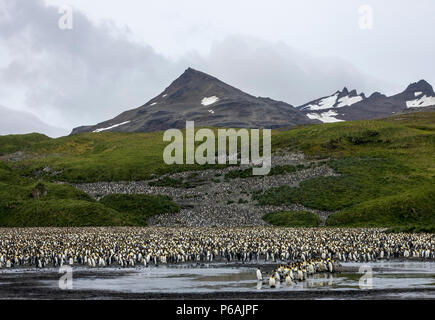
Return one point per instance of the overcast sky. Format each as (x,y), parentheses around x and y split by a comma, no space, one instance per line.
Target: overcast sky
(120,54)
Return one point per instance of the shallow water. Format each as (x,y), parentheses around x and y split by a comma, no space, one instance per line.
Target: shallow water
(386,275)
(189,279)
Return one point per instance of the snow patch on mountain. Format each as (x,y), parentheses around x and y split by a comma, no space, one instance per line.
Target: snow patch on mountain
(325,117)
(424,101)
(207,101)
(325,103)
(348,101)
(333,101)
(418,93)
(111,127)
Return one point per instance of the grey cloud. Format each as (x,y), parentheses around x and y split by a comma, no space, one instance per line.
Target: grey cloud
(282,72)
(19,122)
(93,72)
(85,74)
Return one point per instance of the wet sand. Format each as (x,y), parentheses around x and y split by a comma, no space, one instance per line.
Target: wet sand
(13,291)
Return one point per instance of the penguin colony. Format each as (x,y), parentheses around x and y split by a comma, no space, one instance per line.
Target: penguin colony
(130,247)
(298,271)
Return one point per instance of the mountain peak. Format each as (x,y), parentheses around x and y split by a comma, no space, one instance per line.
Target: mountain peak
(377,95)
(197,96)
(339,99)
(191,73)
(192,79)
(421,86)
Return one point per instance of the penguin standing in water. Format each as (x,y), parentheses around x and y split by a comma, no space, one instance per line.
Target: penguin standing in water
(277,276)
(330,266)
(300,275)
(272,282)
(259,275)
(288,280)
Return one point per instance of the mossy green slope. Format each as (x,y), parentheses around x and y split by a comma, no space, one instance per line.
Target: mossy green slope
(26,202)
(60,206)
(59,213)
(139,207)
(386,171)
(14,143)
(293,219)
(93,157)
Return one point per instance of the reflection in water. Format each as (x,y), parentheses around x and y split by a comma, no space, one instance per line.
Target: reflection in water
(259,285)
(316,281)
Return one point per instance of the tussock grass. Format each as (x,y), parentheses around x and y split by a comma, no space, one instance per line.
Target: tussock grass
(139,207)
(292,219)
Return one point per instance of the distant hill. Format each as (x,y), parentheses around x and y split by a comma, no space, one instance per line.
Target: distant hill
(20,122)
(199,97)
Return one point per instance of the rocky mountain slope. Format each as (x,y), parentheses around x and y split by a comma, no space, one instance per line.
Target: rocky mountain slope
(344,105)
(199,97)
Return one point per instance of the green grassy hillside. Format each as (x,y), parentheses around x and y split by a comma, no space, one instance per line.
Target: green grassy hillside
(139,207)
(92,157)
(386,173)
(26,202)
(14,143)
(386,167)
(293,219)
